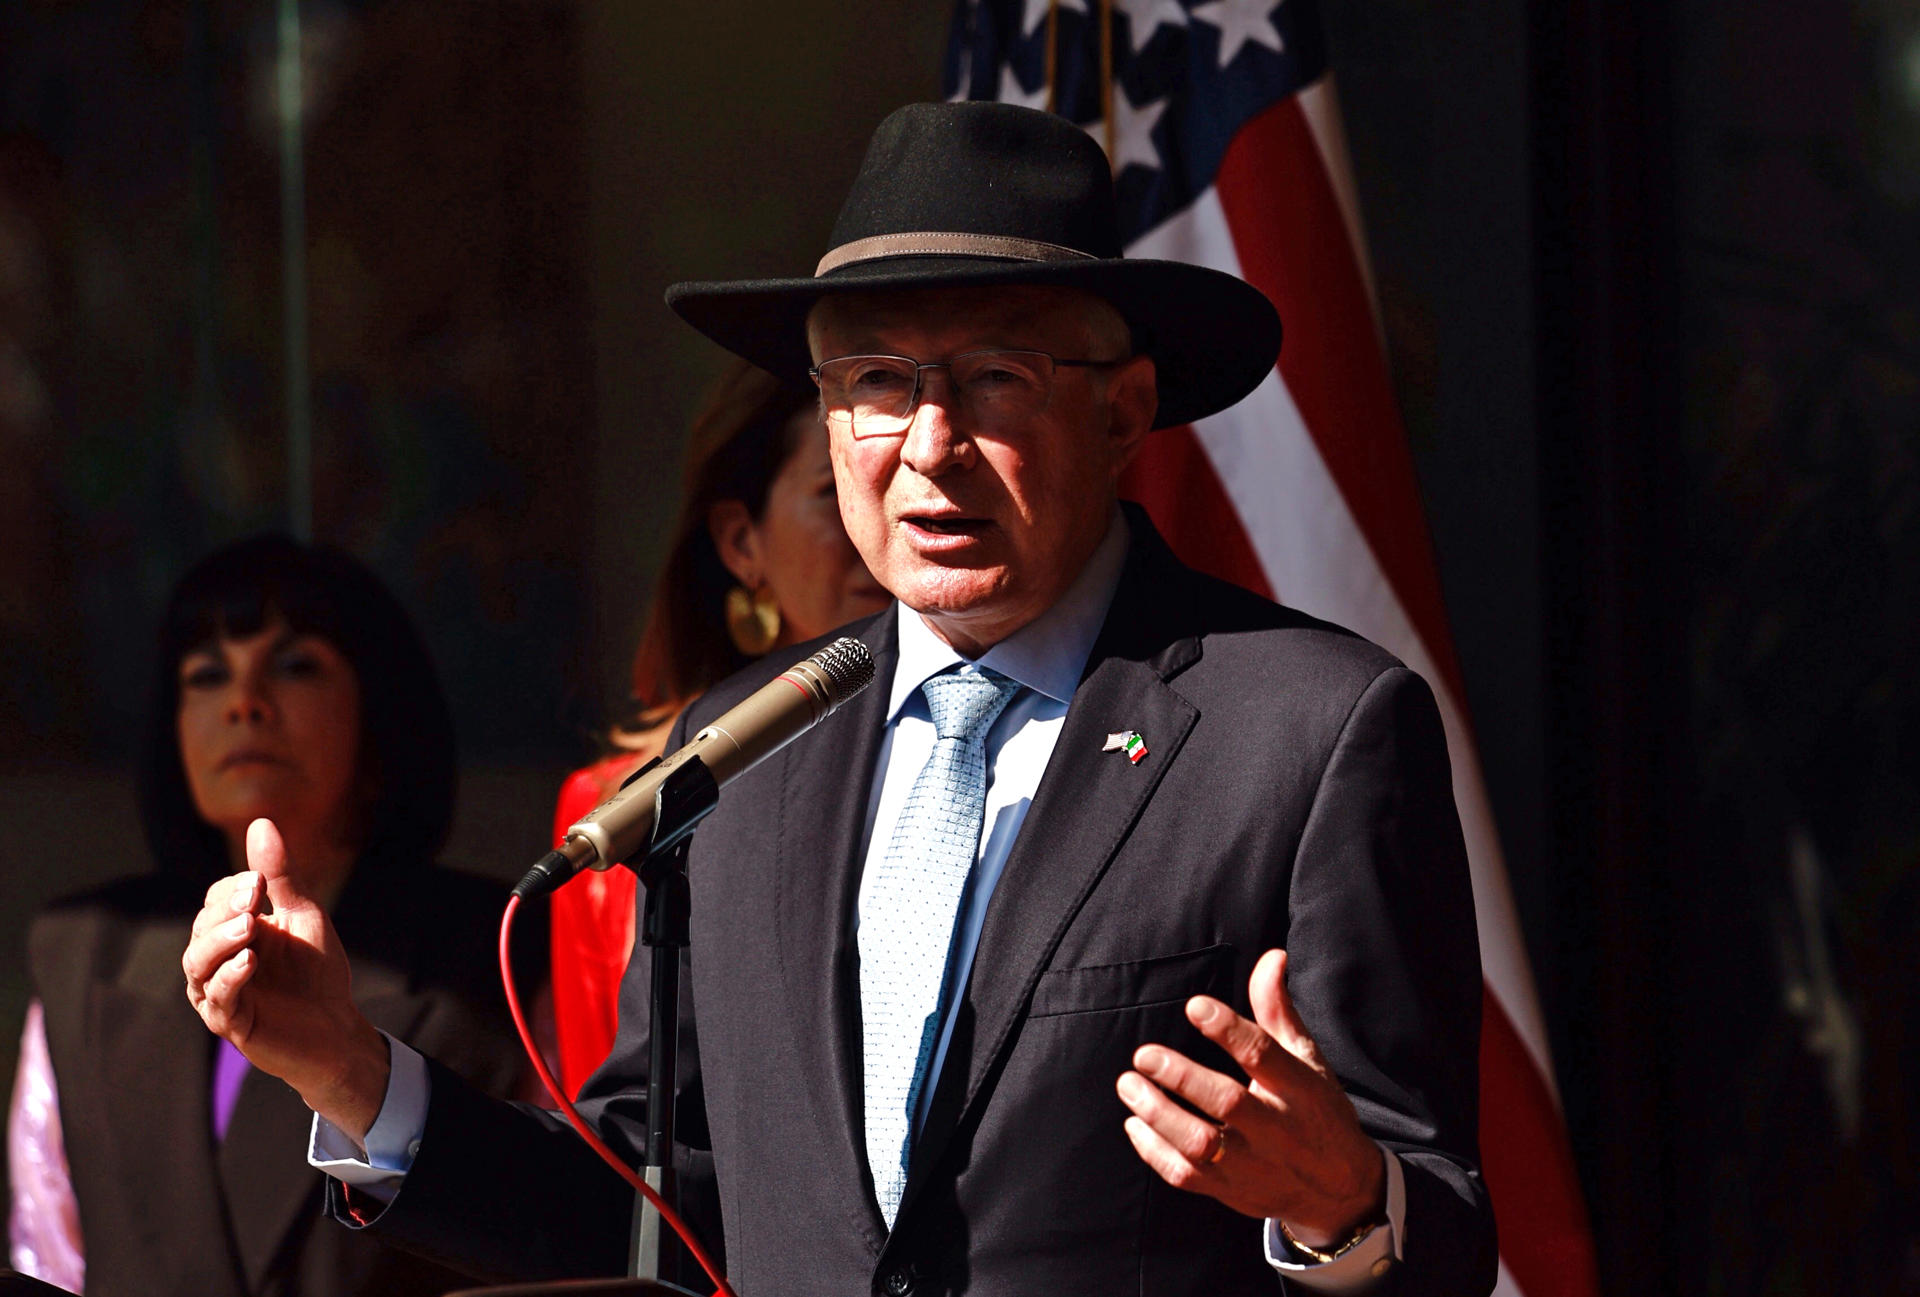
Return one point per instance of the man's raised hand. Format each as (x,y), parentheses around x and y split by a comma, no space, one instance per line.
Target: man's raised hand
(277,985)
(1285,1144)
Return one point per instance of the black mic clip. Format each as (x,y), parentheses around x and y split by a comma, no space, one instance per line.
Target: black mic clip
(687,797)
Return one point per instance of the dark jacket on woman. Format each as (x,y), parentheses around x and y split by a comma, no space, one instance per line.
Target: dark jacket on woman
(165,1209)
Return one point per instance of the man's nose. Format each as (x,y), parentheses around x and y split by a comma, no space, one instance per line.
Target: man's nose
(935,440)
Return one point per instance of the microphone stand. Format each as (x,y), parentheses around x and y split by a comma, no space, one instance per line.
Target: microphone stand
(687,797)
(684,798)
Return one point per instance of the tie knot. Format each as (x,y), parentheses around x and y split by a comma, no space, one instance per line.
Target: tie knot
(965,706)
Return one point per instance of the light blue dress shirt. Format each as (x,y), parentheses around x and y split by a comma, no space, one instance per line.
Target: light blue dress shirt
(1047,656)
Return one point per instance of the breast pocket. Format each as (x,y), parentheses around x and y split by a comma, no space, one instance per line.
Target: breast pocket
(1165,979)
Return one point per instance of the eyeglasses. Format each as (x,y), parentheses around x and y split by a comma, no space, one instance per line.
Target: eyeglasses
(875,396)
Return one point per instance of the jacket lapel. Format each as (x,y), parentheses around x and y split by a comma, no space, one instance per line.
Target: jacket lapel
(152,1043)
(814,921)
(1087,803)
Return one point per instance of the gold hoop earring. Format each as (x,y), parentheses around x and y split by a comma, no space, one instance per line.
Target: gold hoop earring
(753,619)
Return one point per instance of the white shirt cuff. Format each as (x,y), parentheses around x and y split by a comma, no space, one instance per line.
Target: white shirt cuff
(1367,1265)
(392,1143)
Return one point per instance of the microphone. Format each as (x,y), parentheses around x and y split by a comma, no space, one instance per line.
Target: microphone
(771,717)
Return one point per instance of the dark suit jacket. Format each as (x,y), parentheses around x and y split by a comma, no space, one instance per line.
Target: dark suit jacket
(1295,794)
(163,1209)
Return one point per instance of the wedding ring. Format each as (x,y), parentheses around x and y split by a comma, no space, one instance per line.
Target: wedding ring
(1219,1146)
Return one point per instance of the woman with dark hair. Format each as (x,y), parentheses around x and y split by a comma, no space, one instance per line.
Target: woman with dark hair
(145,1157)
(758,560)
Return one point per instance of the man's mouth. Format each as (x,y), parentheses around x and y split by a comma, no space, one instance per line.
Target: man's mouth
(951,524)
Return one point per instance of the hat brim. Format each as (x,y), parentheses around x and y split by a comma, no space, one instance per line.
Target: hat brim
(1212,337)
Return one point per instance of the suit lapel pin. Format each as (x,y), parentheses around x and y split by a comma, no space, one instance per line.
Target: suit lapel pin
(1129,742)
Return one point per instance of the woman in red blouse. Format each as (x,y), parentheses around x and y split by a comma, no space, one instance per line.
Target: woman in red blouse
(759,560)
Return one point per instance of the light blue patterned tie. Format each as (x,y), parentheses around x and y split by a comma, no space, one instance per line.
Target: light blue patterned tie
(907,922)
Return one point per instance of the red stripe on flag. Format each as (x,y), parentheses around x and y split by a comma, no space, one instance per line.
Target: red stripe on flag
(1293,245)
(1175,481)
(1528,1166)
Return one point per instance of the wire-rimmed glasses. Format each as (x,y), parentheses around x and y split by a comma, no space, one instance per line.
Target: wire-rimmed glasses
(875,396)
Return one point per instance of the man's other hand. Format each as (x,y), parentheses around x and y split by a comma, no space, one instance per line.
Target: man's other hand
(276,984)
(1285,1145)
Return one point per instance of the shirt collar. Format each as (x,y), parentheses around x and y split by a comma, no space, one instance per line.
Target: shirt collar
(1048,654)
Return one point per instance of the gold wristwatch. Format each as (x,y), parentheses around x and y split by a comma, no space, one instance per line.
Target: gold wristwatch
(1360,1236)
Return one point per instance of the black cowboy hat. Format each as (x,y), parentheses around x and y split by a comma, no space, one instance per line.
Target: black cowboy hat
(987,193)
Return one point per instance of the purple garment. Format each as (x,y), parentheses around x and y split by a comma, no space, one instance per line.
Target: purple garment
(230,1068)
(43,1222)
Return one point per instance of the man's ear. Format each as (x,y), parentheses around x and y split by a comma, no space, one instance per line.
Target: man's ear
(737,540)
(1133,398)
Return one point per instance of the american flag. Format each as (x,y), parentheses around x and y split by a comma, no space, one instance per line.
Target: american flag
(1220,120)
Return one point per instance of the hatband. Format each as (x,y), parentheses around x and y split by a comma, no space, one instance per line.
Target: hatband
(919,244)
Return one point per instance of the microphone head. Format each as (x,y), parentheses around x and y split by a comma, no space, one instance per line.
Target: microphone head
(846,665)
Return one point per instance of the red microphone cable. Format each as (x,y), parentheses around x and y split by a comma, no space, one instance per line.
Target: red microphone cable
(607,1155)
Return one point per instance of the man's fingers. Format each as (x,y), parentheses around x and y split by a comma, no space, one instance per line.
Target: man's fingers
(1273,1009)
(1263,1056)
(248,896)
(267,857)
(207,952)
(235,894)
(1195,1138)
(1219,1096)
(217,905)
(1166,1160)
(222,1006)
(231,976)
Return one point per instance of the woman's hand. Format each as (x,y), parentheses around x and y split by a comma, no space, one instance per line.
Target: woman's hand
(276,984)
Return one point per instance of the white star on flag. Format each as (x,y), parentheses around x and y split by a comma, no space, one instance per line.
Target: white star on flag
(1010,91)
(1241,21)
(1036,13)
(1132,132)
(1149,16)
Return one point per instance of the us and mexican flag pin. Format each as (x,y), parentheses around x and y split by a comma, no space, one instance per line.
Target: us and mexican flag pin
(1129,742)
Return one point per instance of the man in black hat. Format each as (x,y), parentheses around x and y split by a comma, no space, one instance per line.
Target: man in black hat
(1120,939)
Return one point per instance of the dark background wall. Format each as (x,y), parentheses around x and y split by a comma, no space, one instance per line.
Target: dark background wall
(1650,288)
(497,194)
